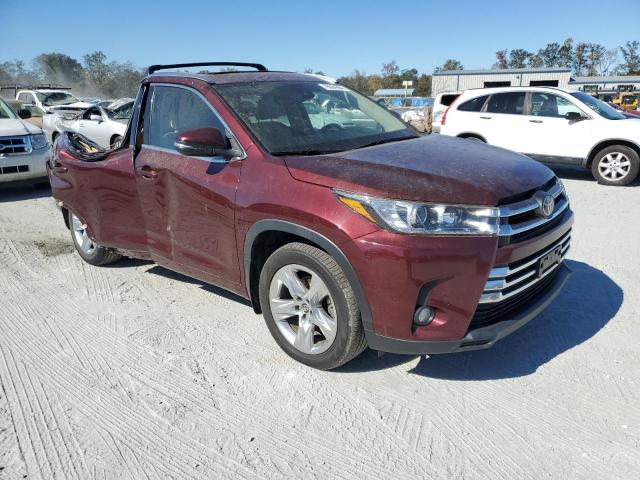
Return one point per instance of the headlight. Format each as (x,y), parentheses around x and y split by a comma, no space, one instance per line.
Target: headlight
(424,218)
(38,140)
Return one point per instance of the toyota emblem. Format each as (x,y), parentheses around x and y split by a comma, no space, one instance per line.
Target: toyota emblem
(547,207)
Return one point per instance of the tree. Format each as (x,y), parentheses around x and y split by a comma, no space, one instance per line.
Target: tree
(59,68)
(631,64)
(450,64)
(607,62)
(501,60)
(580,58)
(390,69)
(519,58)
(565,53)
(423,86)
(595,53)
(96,70)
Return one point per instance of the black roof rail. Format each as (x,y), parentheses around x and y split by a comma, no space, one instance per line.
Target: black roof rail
(257,66)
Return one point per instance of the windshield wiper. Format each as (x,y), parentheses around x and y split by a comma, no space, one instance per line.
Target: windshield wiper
(384,140)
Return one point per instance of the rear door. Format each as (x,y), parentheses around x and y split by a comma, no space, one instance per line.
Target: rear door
(187,202)
(503,122)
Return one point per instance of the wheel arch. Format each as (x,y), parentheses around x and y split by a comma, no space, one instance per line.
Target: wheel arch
(472,135)
(609,143)
(266,236)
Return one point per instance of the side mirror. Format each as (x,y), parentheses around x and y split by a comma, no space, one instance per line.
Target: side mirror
(573,116)
(95,118)
(205,142)
(24,114)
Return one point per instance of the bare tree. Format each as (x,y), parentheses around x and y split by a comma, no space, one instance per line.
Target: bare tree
(501,60)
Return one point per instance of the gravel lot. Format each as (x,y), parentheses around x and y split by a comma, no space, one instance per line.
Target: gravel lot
(136,372)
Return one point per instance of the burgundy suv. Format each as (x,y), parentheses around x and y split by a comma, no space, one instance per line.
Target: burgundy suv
(339,223)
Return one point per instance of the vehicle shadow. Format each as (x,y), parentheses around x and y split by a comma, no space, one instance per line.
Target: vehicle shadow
(14,194)
(569,172)
(589,300)
(163,272)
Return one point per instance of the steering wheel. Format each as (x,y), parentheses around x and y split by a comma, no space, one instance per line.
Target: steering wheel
(331,127)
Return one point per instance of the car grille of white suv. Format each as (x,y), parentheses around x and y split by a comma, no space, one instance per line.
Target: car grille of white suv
(15,145)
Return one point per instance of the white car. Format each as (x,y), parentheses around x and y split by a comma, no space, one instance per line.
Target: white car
(103,126)
(552,125)
(440,105)
(49,99)
(24,151)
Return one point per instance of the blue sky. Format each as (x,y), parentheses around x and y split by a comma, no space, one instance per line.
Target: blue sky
(333,36)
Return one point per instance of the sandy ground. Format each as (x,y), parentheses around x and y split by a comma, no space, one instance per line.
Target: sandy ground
(135,372)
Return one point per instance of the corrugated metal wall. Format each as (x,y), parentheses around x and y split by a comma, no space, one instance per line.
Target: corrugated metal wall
(451,83)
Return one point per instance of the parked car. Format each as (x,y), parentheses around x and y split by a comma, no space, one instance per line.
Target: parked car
(103,126)
(441,102)
(24,151)
(342,238)
(48,100)
(551,125)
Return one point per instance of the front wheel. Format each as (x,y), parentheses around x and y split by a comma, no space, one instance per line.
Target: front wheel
(616,165)
(310,307)
(90,252)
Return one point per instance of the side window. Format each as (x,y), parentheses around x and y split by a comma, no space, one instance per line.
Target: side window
(171,110)
(509,102)
(89,112)
(24,98)
(550,105)
(473,105)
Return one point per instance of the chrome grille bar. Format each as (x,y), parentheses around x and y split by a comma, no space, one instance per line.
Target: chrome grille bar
(522,276)
(15,145)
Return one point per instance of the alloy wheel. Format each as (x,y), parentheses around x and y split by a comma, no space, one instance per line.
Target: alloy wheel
(83,241)
(614,166)
(303,309)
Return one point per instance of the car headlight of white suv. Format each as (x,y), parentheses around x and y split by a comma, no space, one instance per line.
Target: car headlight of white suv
(38,140)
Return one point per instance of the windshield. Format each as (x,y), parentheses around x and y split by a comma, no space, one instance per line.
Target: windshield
(306,118)
(5,110)
(123,112)
(599,107)
(50,99)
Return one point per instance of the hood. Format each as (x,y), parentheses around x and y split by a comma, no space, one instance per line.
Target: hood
(435,168)
(71,106)
(10,127)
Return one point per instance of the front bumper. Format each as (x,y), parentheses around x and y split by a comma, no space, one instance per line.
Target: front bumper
(479,338)
(25,168)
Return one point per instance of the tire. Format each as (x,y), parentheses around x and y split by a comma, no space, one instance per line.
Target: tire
(617,165)
(95,255)
(337,309)
(115,142)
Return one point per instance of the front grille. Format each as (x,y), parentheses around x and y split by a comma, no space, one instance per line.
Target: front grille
(15,145)
(510,287)
(14,169)
(523,219)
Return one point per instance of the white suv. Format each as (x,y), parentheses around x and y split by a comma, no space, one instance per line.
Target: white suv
(551,125)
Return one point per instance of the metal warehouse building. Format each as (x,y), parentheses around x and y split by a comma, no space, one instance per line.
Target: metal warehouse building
(459,80)
(609,84)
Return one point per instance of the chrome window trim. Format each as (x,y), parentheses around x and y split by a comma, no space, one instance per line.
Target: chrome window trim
(227,130)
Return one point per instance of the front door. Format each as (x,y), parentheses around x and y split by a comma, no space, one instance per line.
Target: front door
(187,202)
(551,136)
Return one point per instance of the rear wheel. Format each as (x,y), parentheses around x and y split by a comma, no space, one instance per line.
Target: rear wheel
(90,251)
(616,165)
(310,308)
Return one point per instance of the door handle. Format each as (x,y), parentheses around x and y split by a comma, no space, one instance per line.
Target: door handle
(536,121)
(147,172)
(485,118)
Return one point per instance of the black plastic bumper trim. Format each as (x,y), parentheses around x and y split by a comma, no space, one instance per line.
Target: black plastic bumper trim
(479,338)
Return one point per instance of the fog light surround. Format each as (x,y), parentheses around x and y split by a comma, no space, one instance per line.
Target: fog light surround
(423,316)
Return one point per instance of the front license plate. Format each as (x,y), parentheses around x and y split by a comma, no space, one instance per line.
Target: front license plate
(549,260)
